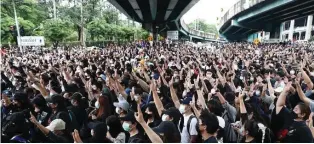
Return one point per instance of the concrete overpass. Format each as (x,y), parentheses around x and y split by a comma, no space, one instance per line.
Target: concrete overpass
(159,16)
(250,16)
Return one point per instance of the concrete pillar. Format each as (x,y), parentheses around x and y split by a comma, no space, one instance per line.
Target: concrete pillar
(291,30)
(300,35)
(190,38)
(281,37)
(308,27)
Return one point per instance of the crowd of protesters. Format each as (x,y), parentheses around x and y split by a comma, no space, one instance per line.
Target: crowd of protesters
(238,92)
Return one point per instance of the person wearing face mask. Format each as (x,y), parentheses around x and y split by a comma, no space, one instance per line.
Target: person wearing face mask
(174,115)
(78,109)
(188,135)
(152,118)
(252,133)
(19,103)
(115,131)
(122,108)
(41,109)
(294,128)
(98,133)
(208,126)
(59,111)
(130,125)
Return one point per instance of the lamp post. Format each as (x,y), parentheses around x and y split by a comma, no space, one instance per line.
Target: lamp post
(17,27)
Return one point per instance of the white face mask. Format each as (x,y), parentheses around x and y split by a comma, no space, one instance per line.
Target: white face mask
(292,72)
(252,79)
(97,105)
(182,109)
(117,110)
(258,93)
(213,91)
(175,75)
(241,77)
(92,132)
(37,109)
(136,97)
(164,117)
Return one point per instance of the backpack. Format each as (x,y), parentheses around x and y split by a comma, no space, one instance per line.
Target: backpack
(230,135)
(74,123)
(199,136)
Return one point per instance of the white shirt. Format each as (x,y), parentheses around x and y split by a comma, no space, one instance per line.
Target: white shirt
(185,137)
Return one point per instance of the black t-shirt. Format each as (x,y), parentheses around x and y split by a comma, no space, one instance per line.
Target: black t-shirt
(294,131)
(211,140)
(136,139)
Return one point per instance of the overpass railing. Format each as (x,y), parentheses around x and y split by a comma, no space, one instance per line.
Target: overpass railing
(196,32)
(240,6)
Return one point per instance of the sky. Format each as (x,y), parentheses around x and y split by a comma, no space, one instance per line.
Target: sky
(208,10)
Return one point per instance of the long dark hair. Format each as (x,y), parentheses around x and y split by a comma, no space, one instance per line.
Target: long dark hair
(114,125)
(104,108)
(254,131)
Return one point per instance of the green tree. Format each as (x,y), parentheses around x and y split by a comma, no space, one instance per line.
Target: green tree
(202,25)
(30,14)
(57,31)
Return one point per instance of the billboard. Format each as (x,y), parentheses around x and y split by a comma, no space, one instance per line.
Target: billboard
(32,41)
(173,35)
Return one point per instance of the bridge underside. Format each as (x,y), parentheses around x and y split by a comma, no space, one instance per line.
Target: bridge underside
(265,16)
(155,15)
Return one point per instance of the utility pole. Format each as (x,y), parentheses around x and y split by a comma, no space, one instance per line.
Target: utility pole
(54,9)
(82,26)
(17,28)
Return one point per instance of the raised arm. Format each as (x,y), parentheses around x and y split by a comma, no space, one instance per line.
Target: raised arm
(282,98)
(157,100)
(154,138)
(302,96)
(306,78)
(174,96)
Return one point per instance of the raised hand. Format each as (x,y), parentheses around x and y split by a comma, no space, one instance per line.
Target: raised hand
(76,137)
(139,115)
(33,119)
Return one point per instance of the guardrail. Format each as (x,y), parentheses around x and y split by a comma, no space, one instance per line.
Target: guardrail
(237,8)
(196,32)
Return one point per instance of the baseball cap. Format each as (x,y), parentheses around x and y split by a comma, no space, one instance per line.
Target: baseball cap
(187,100)
(57,124)
(172,112)
(279,90)
(7,93)
(77,96)
(165,127)
(55,99)
(122,104)
(20,97)
(129,117)
(93,125)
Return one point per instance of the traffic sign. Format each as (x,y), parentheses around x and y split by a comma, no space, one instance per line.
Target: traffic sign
(32,41)
(173,35)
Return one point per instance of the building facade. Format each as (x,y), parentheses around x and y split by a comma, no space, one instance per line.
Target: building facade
(300,29)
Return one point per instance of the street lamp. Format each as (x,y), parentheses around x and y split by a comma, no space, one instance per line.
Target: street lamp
(17,27)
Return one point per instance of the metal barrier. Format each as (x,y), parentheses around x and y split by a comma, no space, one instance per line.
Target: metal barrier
(237,8)
(196,32)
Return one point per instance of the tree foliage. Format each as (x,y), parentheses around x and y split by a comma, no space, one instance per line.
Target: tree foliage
(202,25)
(101,21)
(57,30)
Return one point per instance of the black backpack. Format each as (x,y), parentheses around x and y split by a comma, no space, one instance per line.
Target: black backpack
(74,123)
(199,136)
